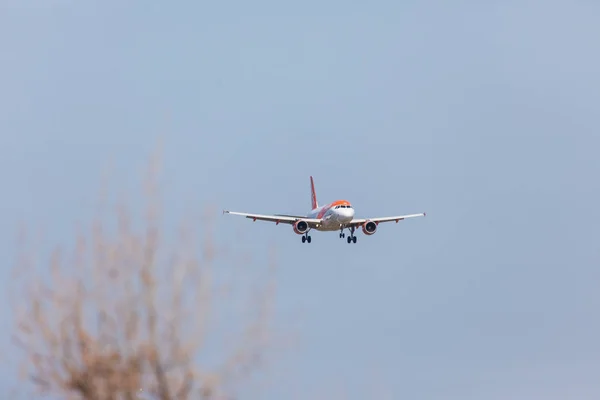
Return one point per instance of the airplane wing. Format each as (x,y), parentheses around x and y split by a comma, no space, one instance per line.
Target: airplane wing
(286,219)
(289,215)
(359,221)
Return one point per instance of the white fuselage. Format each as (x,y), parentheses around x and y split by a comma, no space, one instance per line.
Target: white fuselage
(334,215)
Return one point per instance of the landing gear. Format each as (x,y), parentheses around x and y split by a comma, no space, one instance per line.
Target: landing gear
(351,238)
(306,238)
(342,234)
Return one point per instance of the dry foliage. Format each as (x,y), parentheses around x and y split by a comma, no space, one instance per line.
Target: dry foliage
(128,314)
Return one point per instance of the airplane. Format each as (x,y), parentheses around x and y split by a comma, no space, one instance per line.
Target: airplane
(338,215)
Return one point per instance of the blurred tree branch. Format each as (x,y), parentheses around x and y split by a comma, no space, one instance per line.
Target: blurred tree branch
(129,311)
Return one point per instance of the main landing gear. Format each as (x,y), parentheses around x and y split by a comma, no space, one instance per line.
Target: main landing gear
(351,238)
(305,238)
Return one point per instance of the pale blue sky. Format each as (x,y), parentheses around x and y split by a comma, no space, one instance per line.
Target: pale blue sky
(484,114)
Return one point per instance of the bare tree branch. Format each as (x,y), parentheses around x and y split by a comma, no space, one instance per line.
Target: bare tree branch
(127,310)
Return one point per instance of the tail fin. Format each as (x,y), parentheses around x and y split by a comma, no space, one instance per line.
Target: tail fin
(313,195)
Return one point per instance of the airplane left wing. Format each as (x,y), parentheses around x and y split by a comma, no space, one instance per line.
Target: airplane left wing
(289,215)
(286,219)
(360,221)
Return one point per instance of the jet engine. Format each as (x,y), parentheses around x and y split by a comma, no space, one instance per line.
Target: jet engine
(369,227)
(300,227)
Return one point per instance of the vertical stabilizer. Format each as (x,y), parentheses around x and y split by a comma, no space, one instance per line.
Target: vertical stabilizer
(313,195)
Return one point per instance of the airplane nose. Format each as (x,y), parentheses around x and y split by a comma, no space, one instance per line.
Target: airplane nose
(347,214)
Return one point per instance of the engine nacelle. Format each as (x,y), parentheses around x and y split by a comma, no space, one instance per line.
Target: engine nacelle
(369,227)
(300,227)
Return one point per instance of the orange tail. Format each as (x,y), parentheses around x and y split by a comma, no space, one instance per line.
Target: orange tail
(313,195)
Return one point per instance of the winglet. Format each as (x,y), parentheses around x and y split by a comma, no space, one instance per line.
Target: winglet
(225,212)
(424,214)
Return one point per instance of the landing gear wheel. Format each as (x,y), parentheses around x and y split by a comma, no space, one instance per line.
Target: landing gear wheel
(349,239)
(308,239)
(354,239)
(303,239)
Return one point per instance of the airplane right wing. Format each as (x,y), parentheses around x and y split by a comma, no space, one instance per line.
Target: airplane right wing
(286,219)
(360,221)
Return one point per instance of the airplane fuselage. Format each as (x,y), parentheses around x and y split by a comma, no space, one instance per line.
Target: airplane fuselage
(334,215)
